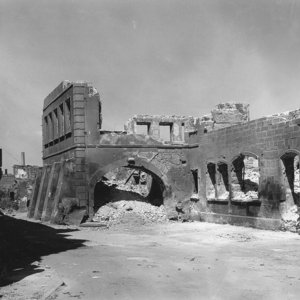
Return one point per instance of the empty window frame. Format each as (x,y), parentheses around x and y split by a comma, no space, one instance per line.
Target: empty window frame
(245,178)
(196,183)
(46,130)
(290,176)
(217,183)
(222,181)
(55,124)
(67,116)
(211,189)
(51,131)
(165,130)
(182,131)
(61,120)
(142,128)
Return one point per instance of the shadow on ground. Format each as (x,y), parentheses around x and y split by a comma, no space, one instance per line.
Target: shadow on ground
(22,243)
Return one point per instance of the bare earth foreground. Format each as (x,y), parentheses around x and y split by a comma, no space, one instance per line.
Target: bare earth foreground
(167,261)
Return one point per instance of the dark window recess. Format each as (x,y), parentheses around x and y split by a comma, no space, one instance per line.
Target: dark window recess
(68,135)
(61,120)
(195,177)
(55,125)
(67,115)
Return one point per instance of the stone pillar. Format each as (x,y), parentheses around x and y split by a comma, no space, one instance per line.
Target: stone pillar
(176,134)
(154,131)
(270,189)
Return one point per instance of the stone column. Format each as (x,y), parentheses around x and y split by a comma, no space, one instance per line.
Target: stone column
(154,131)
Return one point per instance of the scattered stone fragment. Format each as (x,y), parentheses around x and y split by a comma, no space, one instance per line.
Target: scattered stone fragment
(130,211)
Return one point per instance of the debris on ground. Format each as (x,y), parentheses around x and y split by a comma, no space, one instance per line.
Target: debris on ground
(291,220)
(248,196)
(134,212)
(238,237)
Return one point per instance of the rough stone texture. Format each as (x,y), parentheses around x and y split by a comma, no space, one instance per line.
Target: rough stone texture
(291,219)
(25,172)
(232,113)
(234,166)
(179,126)
(139,213)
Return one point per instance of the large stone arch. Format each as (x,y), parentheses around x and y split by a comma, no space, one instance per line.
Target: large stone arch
(136,163)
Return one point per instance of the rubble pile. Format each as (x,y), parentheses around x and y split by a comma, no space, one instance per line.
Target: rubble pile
(122,186)
(249,196)
(291,220)
(129,180)
(124,211)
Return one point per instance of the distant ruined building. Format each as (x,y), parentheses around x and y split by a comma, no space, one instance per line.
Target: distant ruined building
(221,167)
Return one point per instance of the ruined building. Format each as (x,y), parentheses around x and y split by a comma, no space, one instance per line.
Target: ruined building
(228,168)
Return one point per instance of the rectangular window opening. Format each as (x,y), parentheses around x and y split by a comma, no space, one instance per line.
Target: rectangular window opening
(182,131)
(46,130)
(142,128)
(165,132)
(55,120)
(61,120)
(67,116)
(51,131)
(196,184)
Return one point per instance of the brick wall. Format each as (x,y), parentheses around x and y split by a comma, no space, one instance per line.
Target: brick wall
(266,138)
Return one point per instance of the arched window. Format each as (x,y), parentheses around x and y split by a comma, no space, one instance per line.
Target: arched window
(217,184)
(245,178)
(290,177)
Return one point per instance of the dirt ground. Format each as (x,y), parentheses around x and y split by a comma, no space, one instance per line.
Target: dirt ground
(169,261)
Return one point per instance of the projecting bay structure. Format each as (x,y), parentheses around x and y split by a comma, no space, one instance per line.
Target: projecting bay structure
(221,167)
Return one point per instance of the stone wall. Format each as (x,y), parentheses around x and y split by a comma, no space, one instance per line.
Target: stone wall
(221,164)
(266,139)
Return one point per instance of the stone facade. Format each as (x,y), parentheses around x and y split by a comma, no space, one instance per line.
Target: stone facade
(223,166)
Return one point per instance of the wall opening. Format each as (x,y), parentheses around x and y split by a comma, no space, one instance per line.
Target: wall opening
(165,132)
(61,120)
(51,131)
(67,116)
(196,183)
(142,128)
(46,130)
(55,123)
(211,192)
(217,184)
(222,181)
(126,183)
(182,131)
(245,178)
(291,177)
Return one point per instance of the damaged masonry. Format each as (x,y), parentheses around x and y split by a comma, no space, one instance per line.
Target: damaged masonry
(220,168)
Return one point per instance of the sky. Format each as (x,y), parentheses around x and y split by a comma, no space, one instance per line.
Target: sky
(144,57)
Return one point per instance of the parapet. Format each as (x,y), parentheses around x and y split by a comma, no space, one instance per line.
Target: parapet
(164,128)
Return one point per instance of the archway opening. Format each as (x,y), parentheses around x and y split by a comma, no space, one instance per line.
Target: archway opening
(245,178)
(127,183)
(291,177)
(217,184)
(222,181)
(211,190)
(129,190)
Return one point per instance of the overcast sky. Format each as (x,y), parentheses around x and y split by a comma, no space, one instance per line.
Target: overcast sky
(154,57)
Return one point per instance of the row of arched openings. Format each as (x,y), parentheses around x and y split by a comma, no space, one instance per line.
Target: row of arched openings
(236,181)
(239,180)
